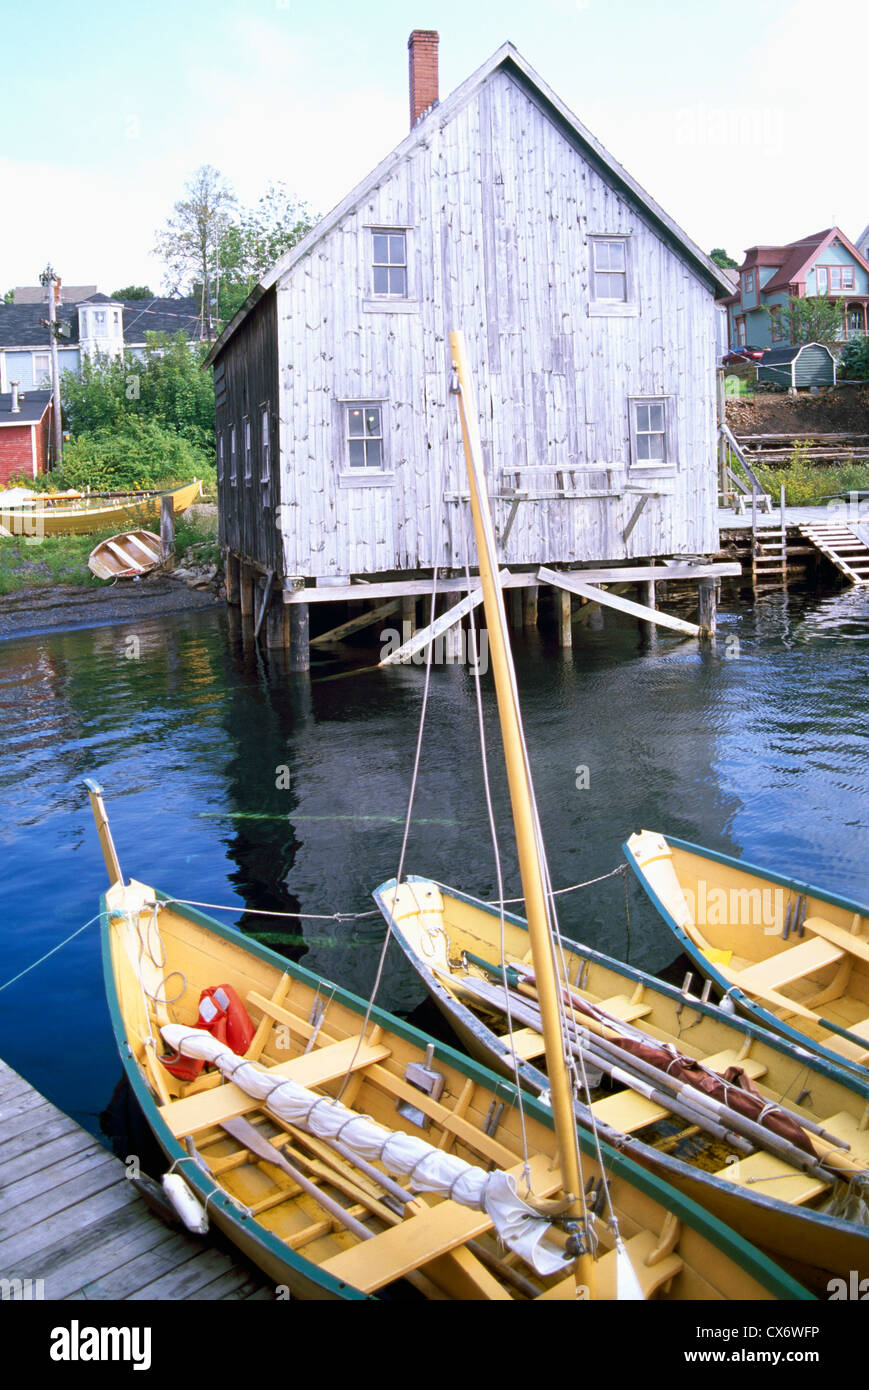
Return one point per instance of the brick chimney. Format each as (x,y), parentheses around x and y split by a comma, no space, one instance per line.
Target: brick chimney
(422,49)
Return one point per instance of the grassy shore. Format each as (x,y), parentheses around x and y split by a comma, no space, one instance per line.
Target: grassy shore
(53,560)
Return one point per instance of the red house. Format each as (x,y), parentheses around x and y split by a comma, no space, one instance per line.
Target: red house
(25,432)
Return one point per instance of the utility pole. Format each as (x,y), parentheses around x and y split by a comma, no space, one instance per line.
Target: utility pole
(49,279)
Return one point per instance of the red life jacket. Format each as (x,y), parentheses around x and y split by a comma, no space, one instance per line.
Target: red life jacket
(222,1014)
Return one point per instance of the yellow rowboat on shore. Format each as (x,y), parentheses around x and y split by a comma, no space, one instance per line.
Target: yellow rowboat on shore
(794,1202)
(792,957)
(87,514)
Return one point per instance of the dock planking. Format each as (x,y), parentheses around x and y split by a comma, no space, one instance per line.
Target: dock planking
(70,1217)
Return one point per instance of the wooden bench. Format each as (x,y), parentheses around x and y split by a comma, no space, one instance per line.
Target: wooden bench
(418,1240)
(720,1061)
(848,942)
(649,1277)
(316,1068)
(786,1183)
(620,1006)
(787,966)
(627,1112)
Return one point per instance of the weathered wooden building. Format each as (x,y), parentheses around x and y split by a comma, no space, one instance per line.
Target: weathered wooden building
(590,319)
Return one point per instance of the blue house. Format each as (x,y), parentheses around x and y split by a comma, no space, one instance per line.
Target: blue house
(826,263)
(96,326)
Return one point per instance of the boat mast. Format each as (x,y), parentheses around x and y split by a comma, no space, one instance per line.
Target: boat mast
(521,796)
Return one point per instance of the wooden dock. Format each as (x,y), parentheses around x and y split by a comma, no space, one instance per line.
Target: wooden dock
(73,1226)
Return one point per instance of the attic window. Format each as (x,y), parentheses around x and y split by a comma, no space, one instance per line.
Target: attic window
(611,278)
(389,263)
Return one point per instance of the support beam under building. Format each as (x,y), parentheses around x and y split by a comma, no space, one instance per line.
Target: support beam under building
(637,610)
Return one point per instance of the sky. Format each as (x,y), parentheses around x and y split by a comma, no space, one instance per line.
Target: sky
(747,124)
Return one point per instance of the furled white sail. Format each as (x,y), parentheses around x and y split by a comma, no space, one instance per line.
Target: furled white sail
(429,1169)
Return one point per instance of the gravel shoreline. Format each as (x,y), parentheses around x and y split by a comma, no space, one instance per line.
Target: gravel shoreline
(58,608)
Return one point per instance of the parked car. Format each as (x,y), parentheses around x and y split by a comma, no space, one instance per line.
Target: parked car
(743,354)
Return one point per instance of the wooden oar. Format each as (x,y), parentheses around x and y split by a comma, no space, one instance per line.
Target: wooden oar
(624,1068)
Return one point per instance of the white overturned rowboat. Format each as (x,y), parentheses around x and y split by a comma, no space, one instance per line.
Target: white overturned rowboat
(126,556)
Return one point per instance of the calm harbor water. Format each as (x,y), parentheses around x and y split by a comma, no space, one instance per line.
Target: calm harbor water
(229,782)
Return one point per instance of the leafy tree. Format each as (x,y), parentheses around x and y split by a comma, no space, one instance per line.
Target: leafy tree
(189,240)
(9,297)
(814,319)
(133,292)
(720,257)
(167,386)
(257,238)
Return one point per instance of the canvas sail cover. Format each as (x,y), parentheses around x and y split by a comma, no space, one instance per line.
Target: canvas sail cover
(429,1169)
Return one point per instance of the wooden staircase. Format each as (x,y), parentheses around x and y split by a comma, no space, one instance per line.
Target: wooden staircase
(842,546)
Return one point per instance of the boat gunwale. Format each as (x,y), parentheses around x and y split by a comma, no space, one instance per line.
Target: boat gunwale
(774,1280)
(768,1020)
(671,1162)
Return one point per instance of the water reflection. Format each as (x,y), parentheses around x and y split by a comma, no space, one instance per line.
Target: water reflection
(230,781)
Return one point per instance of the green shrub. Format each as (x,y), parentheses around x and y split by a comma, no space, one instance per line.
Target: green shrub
(810,484)
(141,454)
(854,363)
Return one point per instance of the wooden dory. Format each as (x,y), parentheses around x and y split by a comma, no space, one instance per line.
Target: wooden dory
(82,517)
(447,936)
(309,1029)
(792,957)
(126,556)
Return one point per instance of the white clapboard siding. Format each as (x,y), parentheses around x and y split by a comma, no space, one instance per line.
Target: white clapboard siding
(499,204)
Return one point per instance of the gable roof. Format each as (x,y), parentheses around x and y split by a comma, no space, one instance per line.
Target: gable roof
(511,61)
(795,259)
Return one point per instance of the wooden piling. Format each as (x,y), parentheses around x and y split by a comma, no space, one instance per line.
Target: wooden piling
(514,607)
(563,610)
(300,639)
(277,624)
(167,529)
(529,606)
(707,590)
(231,577)
(247,589)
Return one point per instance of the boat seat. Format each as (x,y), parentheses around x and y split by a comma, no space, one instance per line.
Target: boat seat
(527,1043)
(395,1252)
(845,1047)
(316,1068)
(847,1127)
(849,942)
(650,1277)
(787,966)
(620,1006)
(786,1183)
(627,1112)
(720,1061)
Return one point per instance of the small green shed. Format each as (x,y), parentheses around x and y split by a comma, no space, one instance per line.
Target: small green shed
(799,365)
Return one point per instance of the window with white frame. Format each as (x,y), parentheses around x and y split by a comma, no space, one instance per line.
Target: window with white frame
(248,456)
(41,367)
(651,436)
(841,277)
(389,263)
(265,444)
(233,456)
(364,435)
(609,263)
(220,456)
